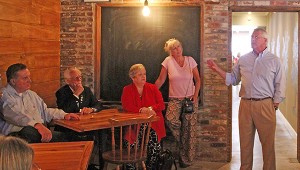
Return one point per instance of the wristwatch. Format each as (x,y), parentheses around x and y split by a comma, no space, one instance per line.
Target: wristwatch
(94,109)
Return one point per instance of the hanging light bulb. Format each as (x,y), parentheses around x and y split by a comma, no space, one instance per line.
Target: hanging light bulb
(146,10)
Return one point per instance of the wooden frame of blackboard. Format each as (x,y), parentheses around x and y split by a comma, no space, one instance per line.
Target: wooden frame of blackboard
(98,36)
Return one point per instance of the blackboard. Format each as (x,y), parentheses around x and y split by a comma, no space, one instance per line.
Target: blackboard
(128,37)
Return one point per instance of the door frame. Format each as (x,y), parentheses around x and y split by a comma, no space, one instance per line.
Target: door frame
(274,9)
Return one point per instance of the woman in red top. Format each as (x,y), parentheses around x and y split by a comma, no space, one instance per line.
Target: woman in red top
(141,97)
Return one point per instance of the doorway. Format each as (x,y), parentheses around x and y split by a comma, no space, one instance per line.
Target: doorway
(283,42)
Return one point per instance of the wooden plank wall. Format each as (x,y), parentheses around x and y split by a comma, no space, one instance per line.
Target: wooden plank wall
(29,33)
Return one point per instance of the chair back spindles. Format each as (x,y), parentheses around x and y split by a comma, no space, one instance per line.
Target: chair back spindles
(147,138)
(128,148)
(136,142)
(143,141)
(113,142)
(121,144)
(139,151)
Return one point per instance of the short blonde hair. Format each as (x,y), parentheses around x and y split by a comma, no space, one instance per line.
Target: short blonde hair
(170,44)
(134,69)
(15,153)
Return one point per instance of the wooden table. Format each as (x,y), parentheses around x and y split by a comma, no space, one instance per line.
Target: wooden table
(96,121)
(62,155)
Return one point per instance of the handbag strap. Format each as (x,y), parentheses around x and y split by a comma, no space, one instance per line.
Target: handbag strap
(190,79)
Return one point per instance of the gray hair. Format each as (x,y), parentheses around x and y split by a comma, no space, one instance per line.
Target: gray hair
(69,70)
(170,44)
(263,31)
(134,69)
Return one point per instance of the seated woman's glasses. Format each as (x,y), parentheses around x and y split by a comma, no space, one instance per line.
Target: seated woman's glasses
(35,166)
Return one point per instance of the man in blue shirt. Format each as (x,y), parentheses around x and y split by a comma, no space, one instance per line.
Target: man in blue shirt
(262,89)
(23,113)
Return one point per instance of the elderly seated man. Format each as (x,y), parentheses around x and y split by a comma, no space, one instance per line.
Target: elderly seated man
(23,113)
(74,97)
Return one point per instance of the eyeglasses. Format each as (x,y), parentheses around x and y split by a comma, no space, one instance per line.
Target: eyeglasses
(77,78)
(256,37)
(175,48)
(35,166)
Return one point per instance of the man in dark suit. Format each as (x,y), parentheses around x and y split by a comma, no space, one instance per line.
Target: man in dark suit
(74,97)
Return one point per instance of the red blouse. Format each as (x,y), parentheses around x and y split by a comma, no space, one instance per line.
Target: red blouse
(151,96)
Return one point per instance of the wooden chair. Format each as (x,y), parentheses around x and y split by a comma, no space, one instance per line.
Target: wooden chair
(122,155)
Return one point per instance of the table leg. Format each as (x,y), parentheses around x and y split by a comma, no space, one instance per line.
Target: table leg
(102,139)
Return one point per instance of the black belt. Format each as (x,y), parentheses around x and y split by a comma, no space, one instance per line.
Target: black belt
(256,99)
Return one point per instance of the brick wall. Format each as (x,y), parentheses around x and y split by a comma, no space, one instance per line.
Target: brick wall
(76,38)
(214,125)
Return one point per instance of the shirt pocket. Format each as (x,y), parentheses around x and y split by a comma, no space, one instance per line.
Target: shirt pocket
(265,72)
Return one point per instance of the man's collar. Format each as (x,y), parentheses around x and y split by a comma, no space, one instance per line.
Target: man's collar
(13,90)
(261,53)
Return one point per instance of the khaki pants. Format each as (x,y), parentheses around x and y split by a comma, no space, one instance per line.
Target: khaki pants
(260,116)
(183,128)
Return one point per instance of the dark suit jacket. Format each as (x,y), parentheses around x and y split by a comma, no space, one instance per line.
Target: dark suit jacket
(71,104)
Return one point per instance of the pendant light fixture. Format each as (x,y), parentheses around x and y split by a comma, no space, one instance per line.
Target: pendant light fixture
(146,10)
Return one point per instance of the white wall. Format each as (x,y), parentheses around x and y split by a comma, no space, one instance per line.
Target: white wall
(283,42)
(243,18)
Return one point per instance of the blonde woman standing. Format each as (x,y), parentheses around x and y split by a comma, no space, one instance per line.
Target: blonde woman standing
(182,72)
